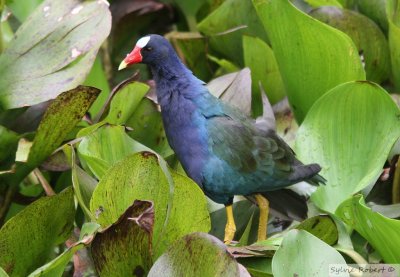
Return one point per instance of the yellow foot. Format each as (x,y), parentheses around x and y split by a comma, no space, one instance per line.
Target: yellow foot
(263,205)
(230,227)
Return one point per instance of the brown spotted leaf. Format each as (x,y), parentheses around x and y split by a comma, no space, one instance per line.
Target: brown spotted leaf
(125,247)
(60,118)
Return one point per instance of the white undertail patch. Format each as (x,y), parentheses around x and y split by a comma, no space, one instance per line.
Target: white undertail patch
(303,188)
(143,42)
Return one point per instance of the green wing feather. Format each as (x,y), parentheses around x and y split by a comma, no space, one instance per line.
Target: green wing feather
(246,148)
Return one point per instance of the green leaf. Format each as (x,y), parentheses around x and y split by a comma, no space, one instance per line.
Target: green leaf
(52,51)
(393,11)
(305,59)
(229,15)
(379,231)
(319,3)
(366,35)
(125,102)
(27,239)
(302,254)
(375,10)
(124,248)
(57,266)
(197,254)
(322,226)
(105,146)
(145,178)
(60,118)
(349,132)
(260,58)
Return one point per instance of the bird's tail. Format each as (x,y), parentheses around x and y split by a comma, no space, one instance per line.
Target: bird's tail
(308,173)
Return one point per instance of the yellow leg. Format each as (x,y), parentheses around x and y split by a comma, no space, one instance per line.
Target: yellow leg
(263,204)
(230,227)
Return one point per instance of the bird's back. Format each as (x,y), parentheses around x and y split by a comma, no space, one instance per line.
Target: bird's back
(245,159)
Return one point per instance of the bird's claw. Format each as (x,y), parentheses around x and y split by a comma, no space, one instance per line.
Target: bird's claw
(229,233)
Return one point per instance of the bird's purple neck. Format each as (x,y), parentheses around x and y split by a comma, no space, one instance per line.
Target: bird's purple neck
(174,80)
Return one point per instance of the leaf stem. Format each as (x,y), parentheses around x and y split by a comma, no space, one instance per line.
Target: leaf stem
(46,186)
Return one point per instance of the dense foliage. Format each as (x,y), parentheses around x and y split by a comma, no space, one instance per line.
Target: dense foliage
(88,183)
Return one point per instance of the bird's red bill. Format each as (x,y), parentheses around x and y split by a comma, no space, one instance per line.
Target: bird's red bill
(132,58)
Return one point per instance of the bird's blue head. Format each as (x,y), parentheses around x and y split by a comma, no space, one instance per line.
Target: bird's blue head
(152,50)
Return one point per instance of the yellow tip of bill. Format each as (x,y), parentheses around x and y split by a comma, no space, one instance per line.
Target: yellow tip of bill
(122,65)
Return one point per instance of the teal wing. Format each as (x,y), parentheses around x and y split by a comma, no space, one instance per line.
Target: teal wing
(246,149)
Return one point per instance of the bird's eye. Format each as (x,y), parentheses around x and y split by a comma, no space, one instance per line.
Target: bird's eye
(148,48)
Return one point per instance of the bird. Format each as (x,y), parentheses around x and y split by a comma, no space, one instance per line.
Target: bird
(221,149)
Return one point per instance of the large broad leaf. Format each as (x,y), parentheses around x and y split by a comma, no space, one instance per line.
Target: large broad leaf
(381,232)
(312,56)
(300,254)
(349,132)
(230,15)
(52,51)
(197,254)
(393,11)
(179,204)
(27,239)
(366,35)
(260,58)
